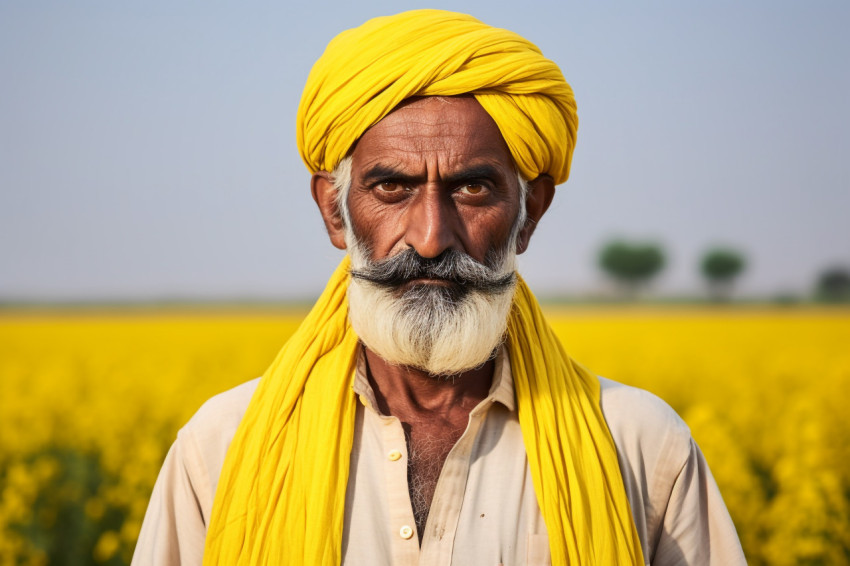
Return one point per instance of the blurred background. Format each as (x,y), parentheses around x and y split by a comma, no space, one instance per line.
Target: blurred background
(158,241)
(148,151)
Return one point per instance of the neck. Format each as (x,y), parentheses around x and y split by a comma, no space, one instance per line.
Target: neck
(405,391)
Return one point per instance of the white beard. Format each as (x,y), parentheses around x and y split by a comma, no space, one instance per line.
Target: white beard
(425,327)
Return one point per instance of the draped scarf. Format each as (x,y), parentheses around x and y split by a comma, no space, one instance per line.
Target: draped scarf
(281,494)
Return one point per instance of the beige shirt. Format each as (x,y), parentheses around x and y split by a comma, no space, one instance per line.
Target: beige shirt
(484,510)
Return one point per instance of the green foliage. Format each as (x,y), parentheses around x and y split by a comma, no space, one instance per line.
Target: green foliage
(60,516)
(720,266)
(631,263)
(834,285)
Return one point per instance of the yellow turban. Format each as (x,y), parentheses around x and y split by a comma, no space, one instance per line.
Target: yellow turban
(367,71)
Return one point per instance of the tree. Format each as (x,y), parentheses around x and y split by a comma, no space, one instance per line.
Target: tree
(834,285)
(631,263)
(720,267)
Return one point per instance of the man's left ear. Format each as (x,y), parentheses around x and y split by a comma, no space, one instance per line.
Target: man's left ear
(541,191)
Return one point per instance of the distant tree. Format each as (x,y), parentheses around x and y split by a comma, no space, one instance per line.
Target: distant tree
(834,285)
(720,267)
(631,264)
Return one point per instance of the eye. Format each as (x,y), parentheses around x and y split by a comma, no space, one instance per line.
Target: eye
(389,187)
(472,189)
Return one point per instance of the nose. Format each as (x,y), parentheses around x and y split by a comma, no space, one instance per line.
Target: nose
(431,225)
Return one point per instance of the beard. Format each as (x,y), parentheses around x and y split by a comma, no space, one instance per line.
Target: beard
(443,328)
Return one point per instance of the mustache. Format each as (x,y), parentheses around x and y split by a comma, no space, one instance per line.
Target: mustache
(452,266)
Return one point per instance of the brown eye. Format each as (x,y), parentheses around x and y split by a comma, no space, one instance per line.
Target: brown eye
(472,189)
(389,187)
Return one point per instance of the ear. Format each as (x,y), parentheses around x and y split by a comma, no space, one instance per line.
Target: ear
(324,193)
(541,191)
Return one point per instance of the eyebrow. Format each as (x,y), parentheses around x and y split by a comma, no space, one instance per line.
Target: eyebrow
(472,173)
(382,171)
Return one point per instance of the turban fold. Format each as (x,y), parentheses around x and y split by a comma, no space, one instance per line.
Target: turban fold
(367,71)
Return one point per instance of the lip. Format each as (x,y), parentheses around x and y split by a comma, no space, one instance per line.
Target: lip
(429,281)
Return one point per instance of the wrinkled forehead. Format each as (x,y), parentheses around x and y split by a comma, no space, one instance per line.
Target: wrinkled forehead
(440,131)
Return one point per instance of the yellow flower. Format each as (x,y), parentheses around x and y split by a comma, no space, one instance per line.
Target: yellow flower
(90,404)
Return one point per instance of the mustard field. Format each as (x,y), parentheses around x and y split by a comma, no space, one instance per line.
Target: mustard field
(89,404)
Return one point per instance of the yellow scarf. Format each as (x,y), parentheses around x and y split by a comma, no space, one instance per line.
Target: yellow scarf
(281,494)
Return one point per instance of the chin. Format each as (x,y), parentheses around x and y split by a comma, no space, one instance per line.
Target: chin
(438,327)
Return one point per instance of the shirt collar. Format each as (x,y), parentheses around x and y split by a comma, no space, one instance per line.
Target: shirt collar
(501,390)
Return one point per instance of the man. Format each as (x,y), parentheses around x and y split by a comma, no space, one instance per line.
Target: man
(424,412)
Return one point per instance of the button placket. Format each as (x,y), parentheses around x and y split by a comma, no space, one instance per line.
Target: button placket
(438,539)
(406,547)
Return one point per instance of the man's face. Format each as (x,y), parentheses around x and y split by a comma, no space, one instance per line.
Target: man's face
(435,174)
(433,212)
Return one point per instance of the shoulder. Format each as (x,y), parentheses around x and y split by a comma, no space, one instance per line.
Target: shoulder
(640,419)
(222,413)
(174,528)
(650,437)
(653,446)
(204,440)
(678,510)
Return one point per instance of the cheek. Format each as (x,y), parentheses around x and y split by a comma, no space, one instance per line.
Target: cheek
(374,224)
(487,230)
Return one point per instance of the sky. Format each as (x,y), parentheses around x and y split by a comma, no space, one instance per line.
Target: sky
(147,150)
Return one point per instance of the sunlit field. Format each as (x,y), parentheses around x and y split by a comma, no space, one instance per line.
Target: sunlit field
(89,404)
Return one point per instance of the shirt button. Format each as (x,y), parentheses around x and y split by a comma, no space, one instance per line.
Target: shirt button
(406,532)
(394,455)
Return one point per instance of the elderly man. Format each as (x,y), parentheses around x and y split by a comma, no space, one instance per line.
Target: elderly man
(424,412)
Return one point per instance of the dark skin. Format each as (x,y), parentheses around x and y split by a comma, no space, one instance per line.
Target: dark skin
(434,174)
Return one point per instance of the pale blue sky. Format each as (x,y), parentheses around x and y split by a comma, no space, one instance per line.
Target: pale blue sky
(148,150)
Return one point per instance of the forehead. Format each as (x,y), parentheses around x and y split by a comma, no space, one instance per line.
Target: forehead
(446,133)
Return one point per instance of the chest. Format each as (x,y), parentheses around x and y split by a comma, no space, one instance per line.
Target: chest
(428,446)
(483,510)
